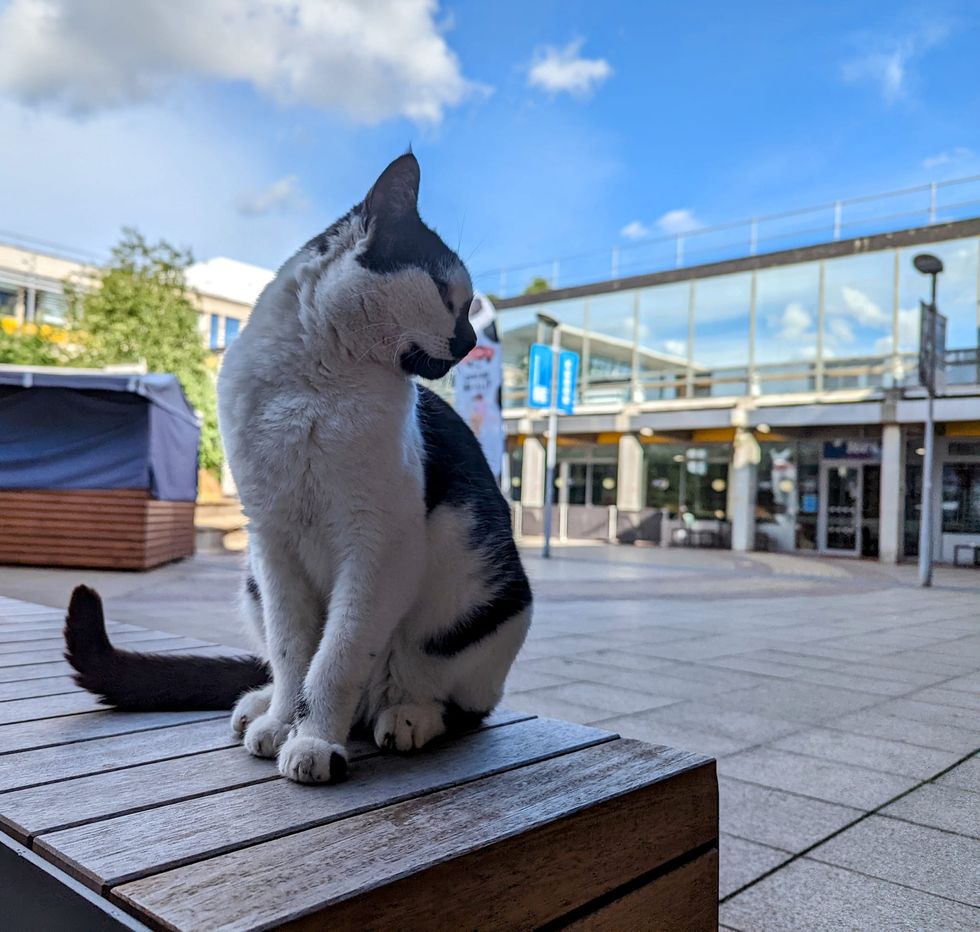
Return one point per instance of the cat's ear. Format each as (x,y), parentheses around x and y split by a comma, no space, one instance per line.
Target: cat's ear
(396,192)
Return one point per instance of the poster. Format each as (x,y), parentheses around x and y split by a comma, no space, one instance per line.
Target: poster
(478,381)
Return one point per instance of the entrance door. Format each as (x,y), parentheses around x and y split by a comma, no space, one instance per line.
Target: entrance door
(840,512)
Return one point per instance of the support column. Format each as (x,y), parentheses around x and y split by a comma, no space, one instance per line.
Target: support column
(891,518)
(629,474)
(743,480)
(532,473)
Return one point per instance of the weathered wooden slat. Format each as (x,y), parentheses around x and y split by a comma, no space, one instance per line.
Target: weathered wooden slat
(41,686)
(83,799)
(135,636)
(38,709)
(482,855)
(150,841)
(20,658)
(47,765)
(11,632)
(20,673)
(682,900)
(74,728)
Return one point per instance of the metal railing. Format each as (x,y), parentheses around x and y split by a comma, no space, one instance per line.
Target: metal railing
(926,204)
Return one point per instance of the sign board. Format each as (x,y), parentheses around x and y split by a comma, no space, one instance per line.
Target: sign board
(932,347)
(477,384)
(851,450)
(540,375)
(567,380)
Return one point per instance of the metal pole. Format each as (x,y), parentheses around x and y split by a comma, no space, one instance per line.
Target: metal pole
(925,510)
(552,454)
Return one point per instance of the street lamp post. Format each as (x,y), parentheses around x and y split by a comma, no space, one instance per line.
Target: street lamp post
(552,453)
(928,265)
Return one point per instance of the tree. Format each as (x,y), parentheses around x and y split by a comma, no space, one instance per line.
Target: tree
(30,345)
(141,311)
(537,285)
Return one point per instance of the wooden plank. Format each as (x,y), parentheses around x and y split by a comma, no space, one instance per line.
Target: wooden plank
(142,636)
(38,709)
(50,764)
(11,632)
(31,671)
(477,856)
(682,900)
(70,729)
(148,842)
(82,799)
(105,496)
(40,686)
(47,655)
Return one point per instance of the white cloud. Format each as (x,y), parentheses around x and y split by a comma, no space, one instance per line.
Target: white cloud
(862,308)
(635,229)
(563,70)
(676,347)
(887,65)
(366,59)
(281,194)
(793,324)
(679,221)
(840,330)
(948,157)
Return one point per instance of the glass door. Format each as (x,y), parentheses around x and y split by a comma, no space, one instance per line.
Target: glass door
(840,514)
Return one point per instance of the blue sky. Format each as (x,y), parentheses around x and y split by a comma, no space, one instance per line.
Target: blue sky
(543,128)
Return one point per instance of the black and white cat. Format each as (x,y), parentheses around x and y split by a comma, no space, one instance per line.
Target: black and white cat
(384,586)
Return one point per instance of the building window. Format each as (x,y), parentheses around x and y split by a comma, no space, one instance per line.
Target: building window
(232,325)
(215,341)
(50,308)
(961,498)
(8,302)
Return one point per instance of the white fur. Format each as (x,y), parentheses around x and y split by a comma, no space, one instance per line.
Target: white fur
(320,429)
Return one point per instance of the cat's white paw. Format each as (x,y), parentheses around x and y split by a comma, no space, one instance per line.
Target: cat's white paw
(410,726)
(249,707)
(266,735)
(312,760)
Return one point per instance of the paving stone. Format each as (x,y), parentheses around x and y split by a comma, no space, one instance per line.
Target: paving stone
(964,777)
(809,776)
(969,683)
(874,671)
(799,701)
(925,858)
(549,707)
(932,714)
(864,751)
(957,698)
(877,724)
(613,699)
(626,660)
(521,678)
(945,807)
(922,662)
(776,818)
(741,861)
(813,897)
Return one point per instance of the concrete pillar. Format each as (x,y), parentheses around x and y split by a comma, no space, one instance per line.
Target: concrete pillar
(742,480)
(891,517)
(532,473)
(630,487)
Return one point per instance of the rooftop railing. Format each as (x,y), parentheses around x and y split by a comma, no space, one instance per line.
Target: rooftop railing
(922,205)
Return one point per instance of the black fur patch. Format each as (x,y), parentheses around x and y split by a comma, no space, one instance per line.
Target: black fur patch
(302,709)
(416,361)
(252,588)
(456,473)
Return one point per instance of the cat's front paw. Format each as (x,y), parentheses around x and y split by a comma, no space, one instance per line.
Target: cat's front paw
(408,726)
(312,760)
(266,735)
(249,707)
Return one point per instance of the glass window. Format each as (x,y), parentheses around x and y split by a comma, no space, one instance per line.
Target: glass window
(663,336)
(808,455)
(50,308)
(858,306)
(664,463)
(610,324)
(776,496)
(721,333)
(956,293)
(8,301)
(232,325)
(515,463)
(786,320)
(961,498)
(215,331)
(689,479)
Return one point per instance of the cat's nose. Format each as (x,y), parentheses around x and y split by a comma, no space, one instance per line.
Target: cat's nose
(463,338)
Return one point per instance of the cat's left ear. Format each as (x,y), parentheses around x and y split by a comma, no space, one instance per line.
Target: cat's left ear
(395,194)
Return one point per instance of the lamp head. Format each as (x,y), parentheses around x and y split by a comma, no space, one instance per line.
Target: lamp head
(928,264)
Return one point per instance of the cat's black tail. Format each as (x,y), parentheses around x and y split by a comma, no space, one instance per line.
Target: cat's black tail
(150,682)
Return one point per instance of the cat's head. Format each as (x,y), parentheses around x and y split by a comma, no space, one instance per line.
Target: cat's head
(391,291)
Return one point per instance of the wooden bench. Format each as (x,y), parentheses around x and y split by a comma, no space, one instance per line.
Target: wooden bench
(112,820)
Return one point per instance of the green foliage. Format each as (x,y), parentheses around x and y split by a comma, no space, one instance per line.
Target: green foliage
(142,311)
(28,346)
(537,285)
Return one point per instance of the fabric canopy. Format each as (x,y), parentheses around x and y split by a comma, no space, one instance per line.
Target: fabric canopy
(72,430)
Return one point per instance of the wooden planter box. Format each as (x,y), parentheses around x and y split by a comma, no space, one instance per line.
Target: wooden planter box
(121,529)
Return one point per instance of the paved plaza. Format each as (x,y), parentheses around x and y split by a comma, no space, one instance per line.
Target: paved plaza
(840,701)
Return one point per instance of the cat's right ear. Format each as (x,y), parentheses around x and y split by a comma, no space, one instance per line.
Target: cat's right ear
(395,195)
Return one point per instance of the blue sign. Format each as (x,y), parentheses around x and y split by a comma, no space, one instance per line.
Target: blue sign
(539,376)
(567,377)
